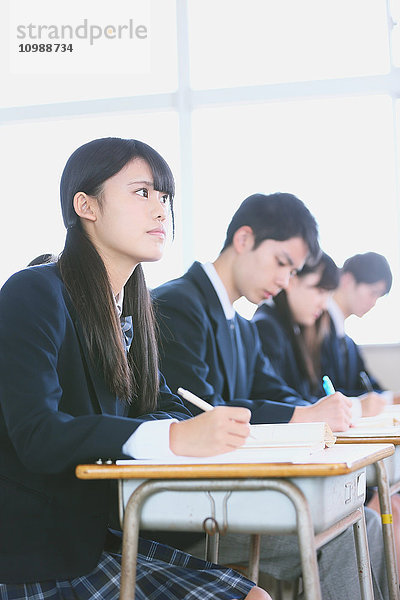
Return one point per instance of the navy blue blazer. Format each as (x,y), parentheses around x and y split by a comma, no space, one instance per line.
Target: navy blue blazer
(277,346)
(55,412)
(344,367)
(196,351)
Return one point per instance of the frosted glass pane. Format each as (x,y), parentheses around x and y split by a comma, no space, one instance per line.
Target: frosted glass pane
(34,155)
(337,155)
(270,41)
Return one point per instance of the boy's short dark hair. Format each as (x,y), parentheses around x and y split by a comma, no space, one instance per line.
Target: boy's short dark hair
(278,217)
(369,268)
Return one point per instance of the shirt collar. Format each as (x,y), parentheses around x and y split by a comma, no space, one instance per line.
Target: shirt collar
(119,300)
(337,317)
(220,290)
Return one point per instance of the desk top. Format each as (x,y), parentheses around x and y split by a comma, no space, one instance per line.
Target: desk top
(338,460)
(369,439)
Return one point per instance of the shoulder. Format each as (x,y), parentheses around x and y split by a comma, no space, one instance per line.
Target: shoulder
(42,278)
(265,312)
(33,291)
(267,320)
(182,293)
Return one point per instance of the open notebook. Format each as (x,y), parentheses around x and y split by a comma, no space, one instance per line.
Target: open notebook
(387,423)
(284,443)
(291,435)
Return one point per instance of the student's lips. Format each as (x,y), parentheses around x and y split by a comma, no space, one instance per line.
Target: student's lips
(158,232)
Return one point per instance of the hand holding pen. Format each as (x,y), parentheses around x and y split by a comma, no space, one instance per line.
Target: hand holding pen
(328,385)
(215,431)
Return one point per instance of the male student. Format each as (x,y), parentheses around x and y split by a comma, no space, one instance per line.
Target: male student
(206,347)
(364,278)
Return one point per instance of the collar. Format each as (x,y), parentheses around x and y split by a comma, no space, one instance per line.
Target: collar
(219,290)
(337,317)
(119,301)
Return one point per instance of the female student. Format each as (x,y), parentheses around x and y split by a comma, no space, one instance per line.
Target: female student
(78,384)
(294,327)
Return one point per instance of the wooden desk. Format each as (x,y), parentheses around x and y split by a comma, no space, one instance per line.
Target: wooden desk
(386,475)
(336,476)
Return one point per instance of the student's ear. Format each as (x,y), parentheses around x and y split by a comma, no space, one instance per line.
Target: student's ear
(85,206)
(292,283)
(243,239)
(347,280)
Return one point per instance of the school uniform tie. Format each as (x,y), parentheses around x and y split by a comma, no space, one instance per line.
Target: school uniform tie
(239,354)
(127,331)
(344,354)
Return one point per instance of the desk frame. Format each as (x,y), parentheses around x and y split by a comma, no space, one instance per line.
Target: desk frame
(308,542)
(256,476)
(385,491)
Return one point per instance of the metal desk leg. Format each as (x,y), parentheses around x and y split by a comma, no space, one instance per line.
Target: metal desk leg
(212,547)
(311,584)
(364,571)
(387,530)
(254,558)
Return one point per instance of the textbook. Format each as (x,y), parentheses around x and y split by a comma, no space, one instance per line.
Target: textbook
(291,435)
(380,425)
(243,455)
(379,421)
(273,443)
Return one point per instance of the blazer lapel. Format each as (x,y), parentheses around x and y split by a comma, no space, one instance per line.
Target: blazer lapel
(220,325)
(107,402)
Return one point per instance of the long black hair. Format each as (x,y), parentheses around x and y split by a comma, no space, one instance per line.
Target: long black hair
(134,377)
(306,340)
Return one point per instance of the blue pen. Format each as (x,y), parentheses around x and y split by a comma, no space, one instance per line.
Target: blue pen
(327,385)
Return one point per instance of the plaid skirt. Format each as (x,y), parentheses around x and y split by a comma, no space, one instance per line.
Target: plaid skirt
(163,573)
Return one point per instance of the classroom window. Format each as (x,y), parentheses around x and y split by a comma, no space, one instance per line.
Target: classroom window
(235,43)
(265,95)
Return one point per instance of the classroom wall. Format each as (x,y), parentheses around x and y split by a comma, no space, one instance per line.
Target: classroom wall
(383,360)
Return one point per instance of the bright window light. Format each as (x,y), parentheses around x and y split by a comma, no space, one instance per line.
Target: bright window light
(235,43)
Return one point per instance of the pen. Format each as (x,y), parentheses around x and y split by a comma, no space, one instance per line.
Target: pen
(194,399)
(327,385)
(197,401)
(365,380)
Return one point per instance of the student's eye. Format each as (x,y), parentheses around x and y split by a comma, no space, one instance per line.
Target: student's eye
(143,192)
(165,199)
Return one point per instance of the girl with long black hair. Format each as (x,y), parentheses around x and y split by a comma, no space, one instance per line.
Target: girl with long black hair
(79,380)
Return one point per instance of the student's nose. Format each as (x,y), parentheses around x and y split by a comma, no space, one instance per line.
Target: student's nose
(161,209)
(282,281)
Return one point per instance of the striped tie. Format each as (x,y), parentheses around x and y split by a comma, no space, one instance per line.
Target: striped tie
(127,331)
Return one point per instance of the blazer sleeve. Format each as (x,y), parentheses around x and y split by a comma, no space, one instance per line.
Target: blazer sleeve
(185,338)
(33,330)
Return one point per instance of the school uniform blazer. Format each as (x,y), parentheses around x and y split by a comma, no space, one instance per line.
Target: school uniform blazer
(196,351)
(344,372)
(277,346)
(56,412)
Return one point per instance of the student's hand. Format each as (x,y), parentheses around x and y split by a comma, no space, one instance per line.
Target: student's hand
(372,404)
(214,432)
(334,409)
(396,397)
